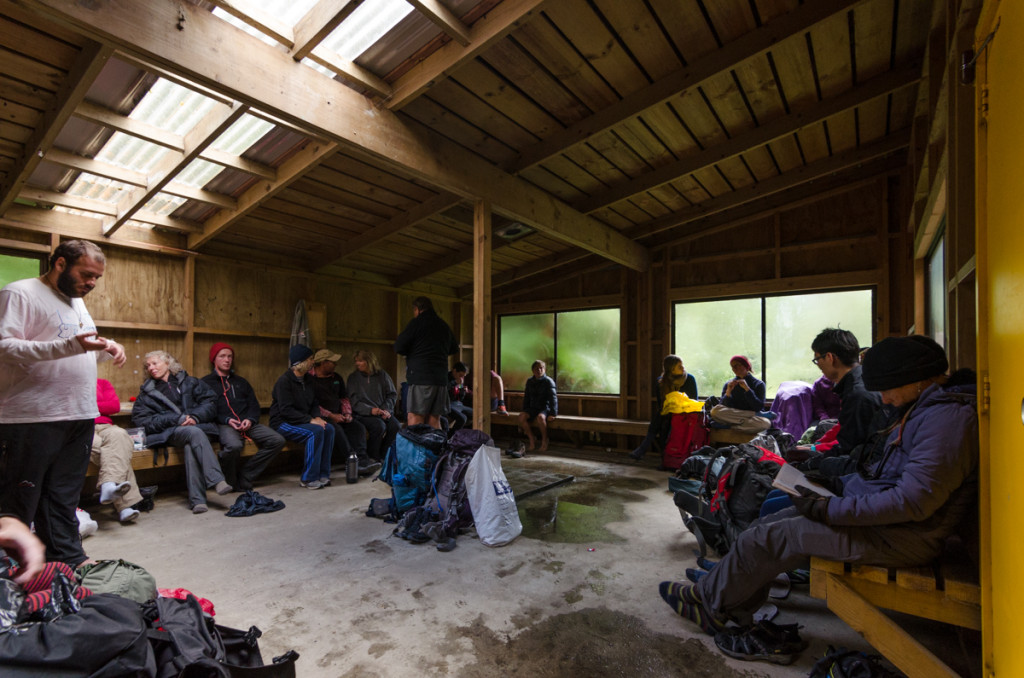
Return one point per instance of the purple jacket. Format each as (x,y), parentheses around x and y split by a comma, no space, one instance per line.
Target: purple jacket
(928,472)
(824,401)
(793,405)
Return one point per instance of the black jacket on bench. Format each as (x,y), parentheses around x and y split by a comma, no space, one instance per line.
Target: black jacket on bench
(235,398)
(159,415)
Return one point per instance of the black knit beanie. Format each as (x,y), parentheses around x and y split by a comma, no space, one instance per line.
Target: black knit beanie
(898,361)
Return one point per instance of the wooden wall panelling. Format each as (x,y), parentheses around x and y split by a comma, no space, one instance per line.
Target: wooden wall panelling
(137,344)
(140,287)
(228,297)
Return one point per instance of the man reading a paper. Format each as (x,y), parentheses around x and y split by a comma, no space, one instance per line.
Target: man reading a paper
(896,513)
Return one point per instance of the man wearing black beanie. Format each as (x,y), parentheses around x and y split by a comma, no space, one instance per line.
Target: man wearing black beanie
(896,513)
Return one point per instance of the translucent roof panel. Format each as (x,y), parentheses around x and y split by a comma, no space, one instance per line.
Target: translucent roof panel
(365,26)
(286,12)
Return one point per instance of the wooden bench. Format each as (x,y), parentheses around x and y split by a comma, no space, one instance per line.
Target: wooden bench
(949,593)
(575,425)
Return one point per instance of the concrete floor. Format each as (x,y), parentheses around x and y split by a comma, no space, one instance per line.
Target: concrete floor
(575,596)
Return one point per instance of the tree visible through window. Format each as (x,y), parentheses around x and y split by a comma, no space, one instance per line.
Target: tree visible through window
(774,332)
(581,349)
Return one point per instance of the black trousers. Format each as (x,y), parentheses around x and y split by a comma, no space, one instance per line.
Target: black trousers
(42,470)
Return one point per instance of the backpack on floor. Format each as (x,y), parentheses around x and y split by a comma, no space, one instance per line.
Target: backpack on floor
(105,638)
(448,499)
(843,663)
(409,465)
(736,480)
(686,435)
(187,644)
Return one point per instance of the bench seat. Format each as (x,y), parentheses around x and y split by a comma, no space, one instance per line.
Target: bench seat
(142,460)
(947,593)
(575,425)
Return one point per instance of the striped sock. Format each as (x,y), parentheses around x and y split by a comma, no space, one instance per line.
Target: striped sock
(686,603)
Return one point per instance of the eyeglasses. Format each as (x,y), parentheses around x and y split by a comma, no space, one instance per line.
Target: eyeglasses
(815,359)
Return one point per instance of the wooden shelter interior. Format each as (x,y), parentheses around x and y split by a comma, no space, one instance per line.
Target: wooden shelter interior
(233,157)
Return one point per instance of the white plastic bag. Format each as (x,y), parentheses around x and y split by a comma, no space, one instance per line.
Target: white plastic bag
(491,499)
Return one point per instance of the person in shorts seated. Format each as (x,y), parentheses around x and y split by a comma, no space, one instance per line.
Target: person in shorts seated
(540,403)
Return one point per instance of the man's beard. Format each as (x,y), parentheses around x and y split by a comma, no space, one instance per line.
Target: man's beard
(66,284)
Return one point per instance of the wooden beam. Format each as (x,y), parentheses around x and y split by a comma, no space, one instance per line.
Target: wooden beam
(218,55)
(882,85)
(318,23)
(720,61)
(237,162)
(396,224)
(499,22)
(38,220)
(351,71)
(192,193)
(250,14)
(180,225)
(171,76)
(482,236)
(444,19)
(440,264)
(293,168)
(136,128)
(40,195)
(95,167)
(204,133)
(90,62)
(824,281)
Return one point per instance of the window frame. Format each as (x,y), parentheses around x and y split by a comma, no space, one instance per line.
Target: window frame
(763,366)
(553,373)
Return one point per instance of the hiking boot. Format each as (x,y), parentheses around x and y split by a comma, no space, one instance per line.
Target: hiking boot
(502,410)
(325,482)
(764,641)
(311,485)
(368,467)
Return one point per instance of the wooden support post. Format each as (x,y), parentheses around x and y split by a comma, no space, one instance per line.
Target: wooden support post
(190,312)
(482,315)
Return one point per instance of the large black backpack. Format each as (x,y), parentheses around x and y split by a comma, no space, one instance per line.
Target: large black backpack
(448,499)
(735,481)
(106,638)
(187,644)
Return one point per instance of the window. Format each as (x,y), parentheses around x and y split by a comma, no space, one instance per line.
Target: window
(774,332)
(935,302)
(19,266)
(580,348)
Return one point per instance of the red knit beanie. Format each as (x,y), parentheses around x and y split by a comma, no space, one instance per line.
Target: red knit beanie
(217,348)
(744,360)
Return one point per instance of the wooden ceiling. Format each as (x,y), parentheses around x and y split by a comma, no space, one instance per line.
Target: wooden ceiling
(605,127)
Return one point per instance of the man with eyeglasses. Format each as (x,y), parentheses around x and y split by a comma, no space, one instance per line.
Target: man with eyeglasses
(837,355)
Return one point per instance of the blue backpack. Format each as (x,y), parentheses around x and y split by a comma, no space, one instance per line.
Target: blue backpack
(409,465)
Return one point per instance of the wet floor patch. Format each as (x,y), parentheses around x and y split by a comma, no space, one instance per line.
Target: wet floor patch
(591,642)
(579,512)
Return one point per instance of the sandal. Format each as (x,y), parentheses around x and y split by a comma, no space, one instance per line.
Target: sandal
(764,641)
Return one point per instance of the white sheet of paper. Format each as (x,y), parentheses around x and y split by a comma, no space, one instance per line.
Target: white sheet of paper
(790,476)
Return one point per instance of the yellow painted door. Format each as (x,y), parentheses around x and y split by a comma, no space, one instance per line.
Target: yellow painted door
(1000,270)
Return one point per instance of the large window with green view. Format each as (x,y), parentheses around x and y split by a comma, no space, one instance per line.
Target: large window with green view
(775,333)
(580,348)
(18,266)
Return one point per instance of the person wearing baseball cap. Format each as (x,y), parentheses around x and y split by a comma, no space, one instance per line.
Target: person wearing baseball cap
(335,407)
(898,512)
(238,419)
(295,414)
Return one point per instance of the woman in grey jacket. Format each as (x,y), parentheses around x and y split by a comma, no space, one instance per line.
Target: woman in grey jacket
(373,397)
(177,409)
(898,513)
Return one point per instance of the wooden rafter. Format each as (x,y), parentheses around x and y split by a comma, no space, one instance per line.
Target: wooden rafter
(105,211)
(400,222)
(77,226)
(318,23)
(205,132)
(249,13)
(293,168)
(754,138)
(271,80)
(498,23)
(444,19)
(719,61)
(89,64)
(350,71)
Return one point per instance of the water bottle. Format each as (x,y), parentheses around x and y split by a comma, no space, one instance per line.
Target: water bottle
(352,469)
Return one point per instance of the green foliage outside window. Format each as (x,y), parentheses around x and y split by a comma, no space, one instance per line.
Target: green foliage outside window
(708,333)
(581,349)
(13,268)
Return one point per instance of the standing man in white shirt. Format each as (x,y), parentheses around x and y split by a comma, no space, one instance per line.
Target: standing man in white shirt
(49,348)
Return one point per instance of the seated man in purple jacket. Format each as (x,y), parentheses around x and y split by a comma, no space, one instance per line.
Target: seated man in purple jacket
(896,513)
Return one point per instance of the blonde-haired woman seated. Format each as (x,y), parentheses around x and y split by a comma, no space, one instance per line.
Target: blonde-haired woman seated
(180,410)
(373,397)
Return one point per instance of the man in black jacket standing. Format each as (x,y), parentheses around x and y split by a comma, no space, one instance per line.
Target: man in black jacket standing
(238,417)
(426,342)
